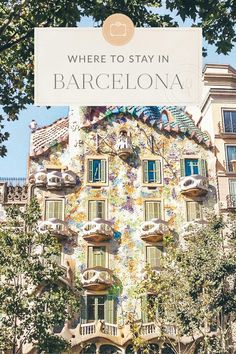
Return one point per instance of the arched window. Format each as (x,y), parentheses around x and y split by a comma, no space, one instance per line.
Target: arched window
(167,350)
(90,349)
(109,349)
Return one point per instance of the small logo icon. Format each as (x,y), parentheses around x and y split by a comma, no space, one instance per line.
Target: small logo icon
(118,29)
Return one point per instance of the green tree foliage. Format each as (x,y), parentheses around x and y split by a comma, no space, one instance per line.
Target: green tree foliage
(33,297)
(19,17)
(196,289)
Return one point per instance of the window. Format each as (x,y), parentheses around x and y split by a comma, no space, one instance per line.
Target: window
(96,307)
(96,209)
(152,210)
(229,121)
(232,188)
(194,210)
(230,155)
(97,170)
(149,308)
(193,167)
(153,256)
(54,209)
(100,307)
(151,171)
(96,256)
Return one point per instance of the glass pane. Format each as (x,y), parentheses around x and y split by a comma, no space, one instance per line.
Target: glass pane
(231,155)
(109,349)
(91,308)
(151,171)
(227,121)
(101,313)
(232,187)
(233,118)
(96,170)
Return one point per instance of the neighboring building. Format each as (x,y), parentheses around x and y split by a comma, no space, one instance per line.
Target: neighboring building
(219,119)
(120,178)
(13,191)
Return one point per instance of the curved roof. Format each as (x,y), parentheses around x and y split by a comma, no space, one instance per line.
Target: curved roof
(176,121)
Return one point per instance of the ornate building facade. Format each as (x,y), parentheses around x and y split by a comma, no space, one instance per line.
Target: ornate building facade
(117,180)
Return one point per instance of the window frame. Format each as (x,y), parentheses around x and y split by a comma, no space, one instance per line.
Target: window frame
(202,170)
(186,209)
(98,200)
(160,247)
(96,304)
(151,200)
(152,184)
(98,183)
(226,157)
(106,257)
(223,110)
(50,199)
(229,181)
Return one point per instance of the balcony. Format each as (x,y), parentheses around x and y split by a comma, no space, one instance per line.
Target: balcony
(118,335)
(97,230)
(59,229)
(192,228)
(97,278)
(124,147)
(69,178)
(194,186)
(53,179)
(151,329)
(231,201)
(154,230)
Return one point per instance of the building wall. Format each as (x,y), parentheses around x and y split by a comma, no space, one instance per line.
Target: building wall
(124,192)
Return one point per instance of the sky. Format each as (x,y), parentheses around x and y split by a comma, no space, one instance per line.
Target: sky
(15,163)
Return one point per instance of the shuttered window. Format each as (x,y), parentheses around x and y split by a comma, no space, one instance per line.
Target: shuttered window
(194,210)
(54,209)
(97,170)
(151,171)
(111,309)
(190,167)
(152,210)
(96,256)
(96,209)
(153,255)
